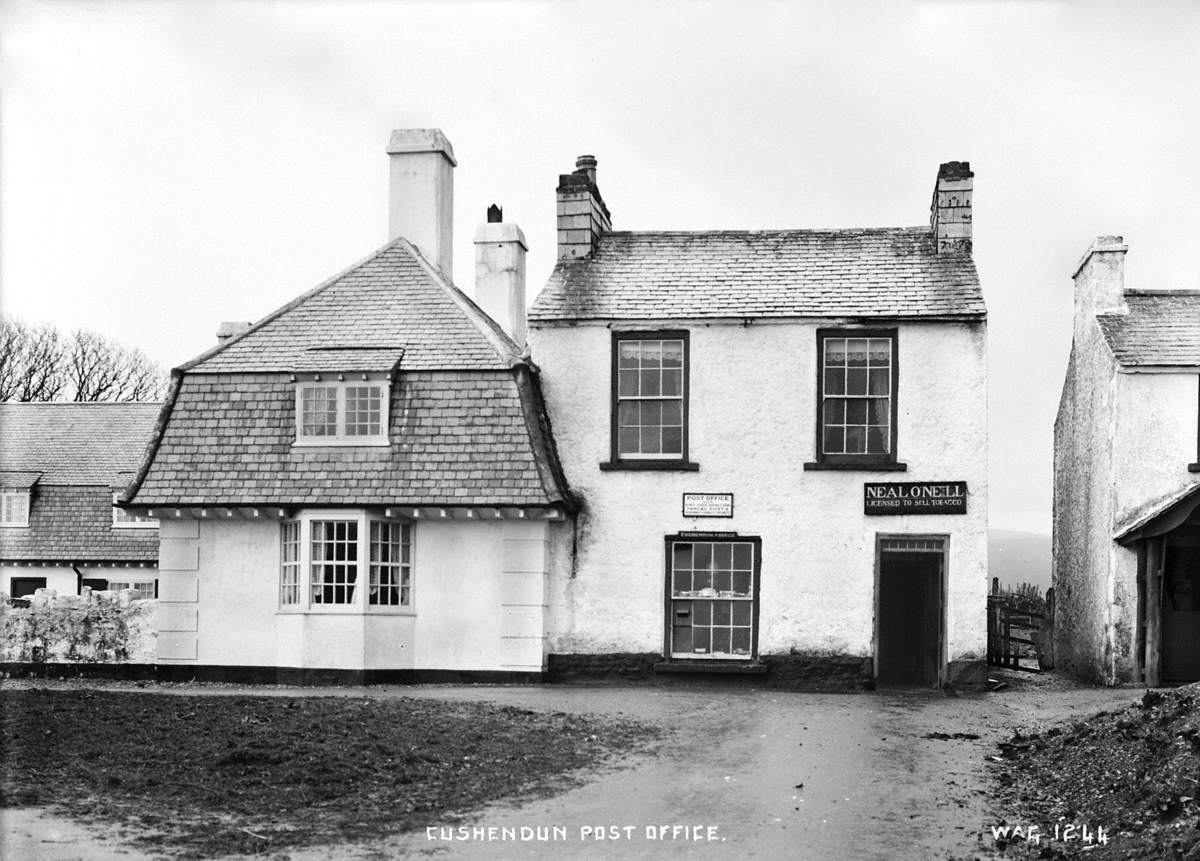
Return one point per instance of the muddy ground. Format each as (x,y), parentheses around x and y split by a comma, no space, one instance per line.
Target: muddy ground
(737,772)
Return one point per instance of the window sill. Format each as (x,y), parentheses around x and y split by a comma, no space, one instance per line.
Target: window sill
(864,466)
(339,611)
(14,525)
(1194,467)
(688,665)
(649,465)
(340,443)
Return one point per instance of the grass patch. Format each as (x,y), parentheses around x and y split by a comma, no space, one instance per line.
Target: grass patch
(202,776)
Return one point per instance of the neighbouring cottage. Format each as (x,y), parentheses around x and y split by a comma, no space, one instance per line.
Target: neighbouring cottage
(780,441)
(362,485)
(1127,481)
(62,466)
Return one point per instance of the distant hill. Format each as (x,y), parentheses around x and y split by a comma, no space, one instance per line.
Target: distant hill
(1019,557)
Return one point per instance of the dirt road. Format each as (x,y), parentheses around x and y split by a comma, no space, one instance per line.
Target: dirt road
(745,773)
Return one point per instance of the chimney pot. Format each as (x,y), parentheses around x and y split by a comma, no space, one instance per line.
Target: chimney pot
(421,196)
(582,216)
(500,273)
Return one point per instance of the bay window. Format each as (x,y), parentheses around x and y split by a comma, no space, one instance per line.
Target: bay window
(347,563)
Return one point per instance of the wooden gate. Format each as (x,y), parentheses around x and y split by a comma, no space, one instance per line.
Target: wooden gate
(1014,634)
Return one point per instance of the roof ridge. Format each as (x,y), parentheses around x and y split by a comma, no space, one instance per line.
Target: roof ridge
(765,230)
(506,348)
(294,303)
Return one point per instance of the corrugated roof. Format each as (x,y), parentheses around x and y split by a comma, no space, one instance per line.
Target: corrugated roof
(392,300)
(70,443)
(1161,328)
(875,272)
(74,524)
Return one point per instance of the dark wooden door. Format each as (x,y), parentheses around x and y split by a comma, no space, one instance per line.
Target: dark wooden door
(1181,612)
(909,613)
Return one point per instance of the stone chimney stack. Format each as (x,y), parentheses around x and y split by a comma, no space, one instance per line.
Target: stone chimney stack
(421,197)
(1100,279)
(950,213)
(582,216)
(231,330)
(500,272)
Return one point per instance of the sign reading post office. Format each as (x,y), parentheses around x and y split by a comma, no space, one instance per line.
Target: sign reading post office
(915,497)
(708,505)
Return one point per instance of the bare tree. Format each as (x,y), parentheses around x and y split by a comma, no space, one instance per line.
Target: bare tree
(40,364)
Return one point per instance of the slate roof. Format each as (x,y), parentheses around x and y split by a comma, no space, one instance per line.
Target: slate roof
(467,424)
(70,443)
(73,524)
(1162,328)
(391,301)
(873,272)
(75,454)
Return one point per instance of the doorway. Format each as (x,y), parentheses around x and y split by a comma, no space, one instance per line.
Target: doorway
(1181,605)
(909,598)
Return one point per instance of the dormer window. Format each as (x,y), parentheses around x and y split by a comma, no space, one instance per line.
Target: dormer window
(14,507)
(342,411)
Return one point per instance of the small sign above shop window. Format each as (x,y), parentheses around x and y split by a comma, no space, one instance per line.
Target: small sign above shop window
(708,505)
(915,497)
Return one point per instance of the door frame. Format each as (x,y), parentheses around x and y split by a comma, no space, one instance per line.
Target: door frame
(944,552)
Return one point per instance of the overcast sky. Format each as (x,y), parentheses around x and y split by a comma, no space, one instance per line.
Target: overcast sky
(165,167)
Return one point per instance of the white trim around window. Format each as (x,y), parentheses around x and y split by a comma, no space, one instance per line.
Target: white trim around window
(14,508)
(336,411)
(339,561)
(122,519)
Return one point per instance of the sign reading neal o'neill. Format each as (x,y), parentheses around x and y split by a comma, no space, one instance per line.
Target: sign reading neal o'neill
(915,497)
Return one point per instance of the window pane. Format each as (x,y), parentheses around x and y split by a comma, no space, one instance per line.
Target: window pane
(702,556)
(742,612)
(318,411)
(628,414)
(835,352)
(701,579)
(672,354)
(651,440)
(835,381)
(682,583)
(652,354)
(672,441)
(700,640)
(881,411)
(877,440)
(702,612)
(629,353)
(880,381)
(651,383)
(856,440)
(682,558)
(741,640)
(856,411)
(835,411)
(741,557)
(880,352)
(364,410)
(628,440)
(672,382)
(628,384)
(835,440)
(672,412)
(721,612)
(720,640)
(741,584)
(856,352)
(723,555)
(334,554)
(722,581)
(856,381)
(651,413)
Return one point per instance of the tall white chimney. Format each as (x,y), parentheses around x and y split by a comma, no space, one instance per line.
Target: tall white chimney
(500,273)
(421,197)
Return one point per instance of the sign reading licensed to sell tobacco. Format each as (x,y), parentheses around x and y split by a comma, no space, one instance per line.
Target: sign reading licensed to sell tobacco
(915,497)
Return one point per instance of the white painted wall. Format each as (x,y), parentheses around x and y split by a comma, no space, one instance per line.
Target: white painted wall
(753,400)
(478,592)
(1154,439)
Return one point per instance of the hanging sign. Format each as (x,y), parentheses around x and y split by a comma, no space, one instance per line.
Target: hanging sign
(915,497)
(708,505)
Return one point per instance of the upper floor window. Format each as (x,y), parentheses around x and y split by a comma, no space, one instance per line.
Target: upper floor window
(856,418)
(346,563)
(650,400)
(124,519)
(14,507)
(341,412)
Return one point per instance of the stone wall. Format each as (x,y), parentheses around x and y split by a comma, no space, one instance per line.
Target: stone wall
(92,628)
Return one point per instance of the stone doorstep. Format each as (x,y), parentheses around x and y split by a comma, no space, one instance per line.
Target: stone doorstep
(716,667)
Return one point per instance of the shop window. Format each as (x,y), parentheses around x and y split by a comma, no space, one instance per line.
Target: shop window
(14,508)
(713,599)
(856,399)
(341,412)
(650,401)
(325,562)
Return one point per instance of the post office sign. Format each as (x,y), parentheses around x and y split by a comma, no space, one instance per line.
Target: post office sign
(708,505)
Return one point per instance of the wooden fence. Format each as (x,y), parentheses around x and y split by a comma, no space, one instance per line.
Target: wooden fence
(1014,634)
